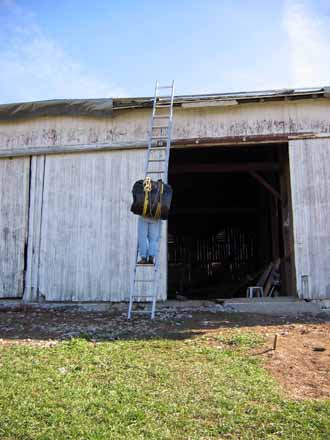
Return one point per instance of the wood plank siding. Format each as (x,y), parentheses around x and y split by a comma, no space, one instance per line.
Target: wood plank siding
(128,128)
(310,182)
(14,202)
(87,234)
(66,231)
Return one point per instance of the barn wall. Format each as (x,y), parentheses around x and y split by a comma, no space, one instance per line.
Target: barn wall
(81,234)
(87,234)
(310,182)
(14,199)
(130,127)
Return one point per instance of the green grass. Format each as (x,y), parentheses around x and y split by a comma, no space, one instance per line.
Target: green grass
(149,389)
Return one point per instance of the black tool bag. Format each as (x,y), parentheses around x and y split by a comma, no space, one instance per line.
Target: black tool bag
(154,203)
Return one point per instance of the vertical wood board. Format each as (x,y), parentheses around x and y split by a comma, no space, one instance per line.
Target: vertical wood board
(35,213)
(14,199)
(310,183)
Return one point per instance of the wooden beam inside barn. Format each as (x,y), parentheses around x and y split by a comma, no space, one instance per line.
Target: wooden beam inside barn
(265,184)
(224,167)
(207,210)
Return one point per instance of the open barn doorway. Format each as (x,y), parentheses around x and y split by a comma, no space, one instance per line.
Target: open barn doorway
(229,221)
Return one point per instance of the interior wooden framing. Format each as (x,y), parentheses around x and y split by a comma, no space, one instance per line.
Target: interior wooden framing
(230,218)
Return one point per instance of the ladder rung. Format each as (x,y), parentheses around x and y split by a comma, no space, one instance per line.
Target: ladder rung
(161,116)
(163,105)
(155,172)
(157,148)
(165,87)
(156,160)
(158,137)
(162,157)
(154,127)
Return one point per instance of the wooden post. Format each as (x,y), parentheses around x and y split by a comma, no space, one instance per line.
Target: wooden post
(275,342)
(288,270)
(274,221)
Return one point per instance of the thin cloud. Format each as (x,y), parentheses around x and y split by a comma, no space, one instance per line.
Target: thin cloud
(309,44)
(34,67)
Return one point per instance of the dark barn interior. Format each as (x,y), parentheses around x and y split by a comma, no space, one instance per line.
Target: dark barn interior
(226,222)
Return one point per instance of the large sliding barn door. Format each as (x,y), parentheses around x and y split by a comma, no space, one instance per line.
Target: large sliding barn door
(14,201)
(87,234)
(310,183)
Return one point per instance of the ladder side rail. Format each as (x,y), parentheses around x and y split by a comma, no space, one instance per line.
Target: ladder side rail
(172,101)
(151,126)
(157,273)
(169,135)
(168,147)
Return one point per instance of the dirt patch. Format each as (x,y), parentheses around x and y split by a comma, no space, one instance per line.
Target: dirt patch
(301,362)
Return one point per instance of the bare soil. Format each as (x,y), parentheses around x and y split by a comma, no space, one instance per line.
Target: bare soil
(301,361)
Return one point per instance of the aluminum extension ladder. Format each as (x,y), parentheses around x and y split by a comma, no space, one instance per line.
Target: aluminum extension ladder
(159,144)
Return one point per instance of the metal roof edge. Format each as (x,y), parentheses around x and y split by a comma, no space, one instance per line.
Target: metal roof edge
(106,106)
(254,96)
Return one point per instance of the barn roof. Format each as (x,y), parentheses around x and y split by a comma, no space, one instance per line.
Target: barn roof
(106,107)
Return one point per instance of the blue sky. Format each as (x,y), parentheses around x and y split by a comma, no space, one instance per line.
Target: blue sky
(105,48)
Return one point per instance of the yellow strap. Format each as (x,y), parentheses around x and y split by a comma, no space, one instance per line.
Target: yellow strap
(159,205)
(147,188)
(145,204)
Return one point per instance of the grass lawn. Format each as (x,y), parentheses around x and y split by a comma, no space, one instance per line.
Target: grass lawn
(198,388)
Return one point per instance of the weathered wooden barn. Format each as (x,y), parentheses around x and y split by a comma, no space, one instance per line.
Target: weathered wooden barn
(251,179)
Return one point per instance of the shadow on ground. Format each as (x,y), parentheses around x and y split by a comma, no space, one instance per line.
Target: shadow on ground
(29,325)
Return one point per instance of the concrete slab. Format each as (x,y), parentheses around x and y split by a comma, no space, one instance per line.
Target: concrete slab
(271,306)
(267,299)
(325,304)
(293,307)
